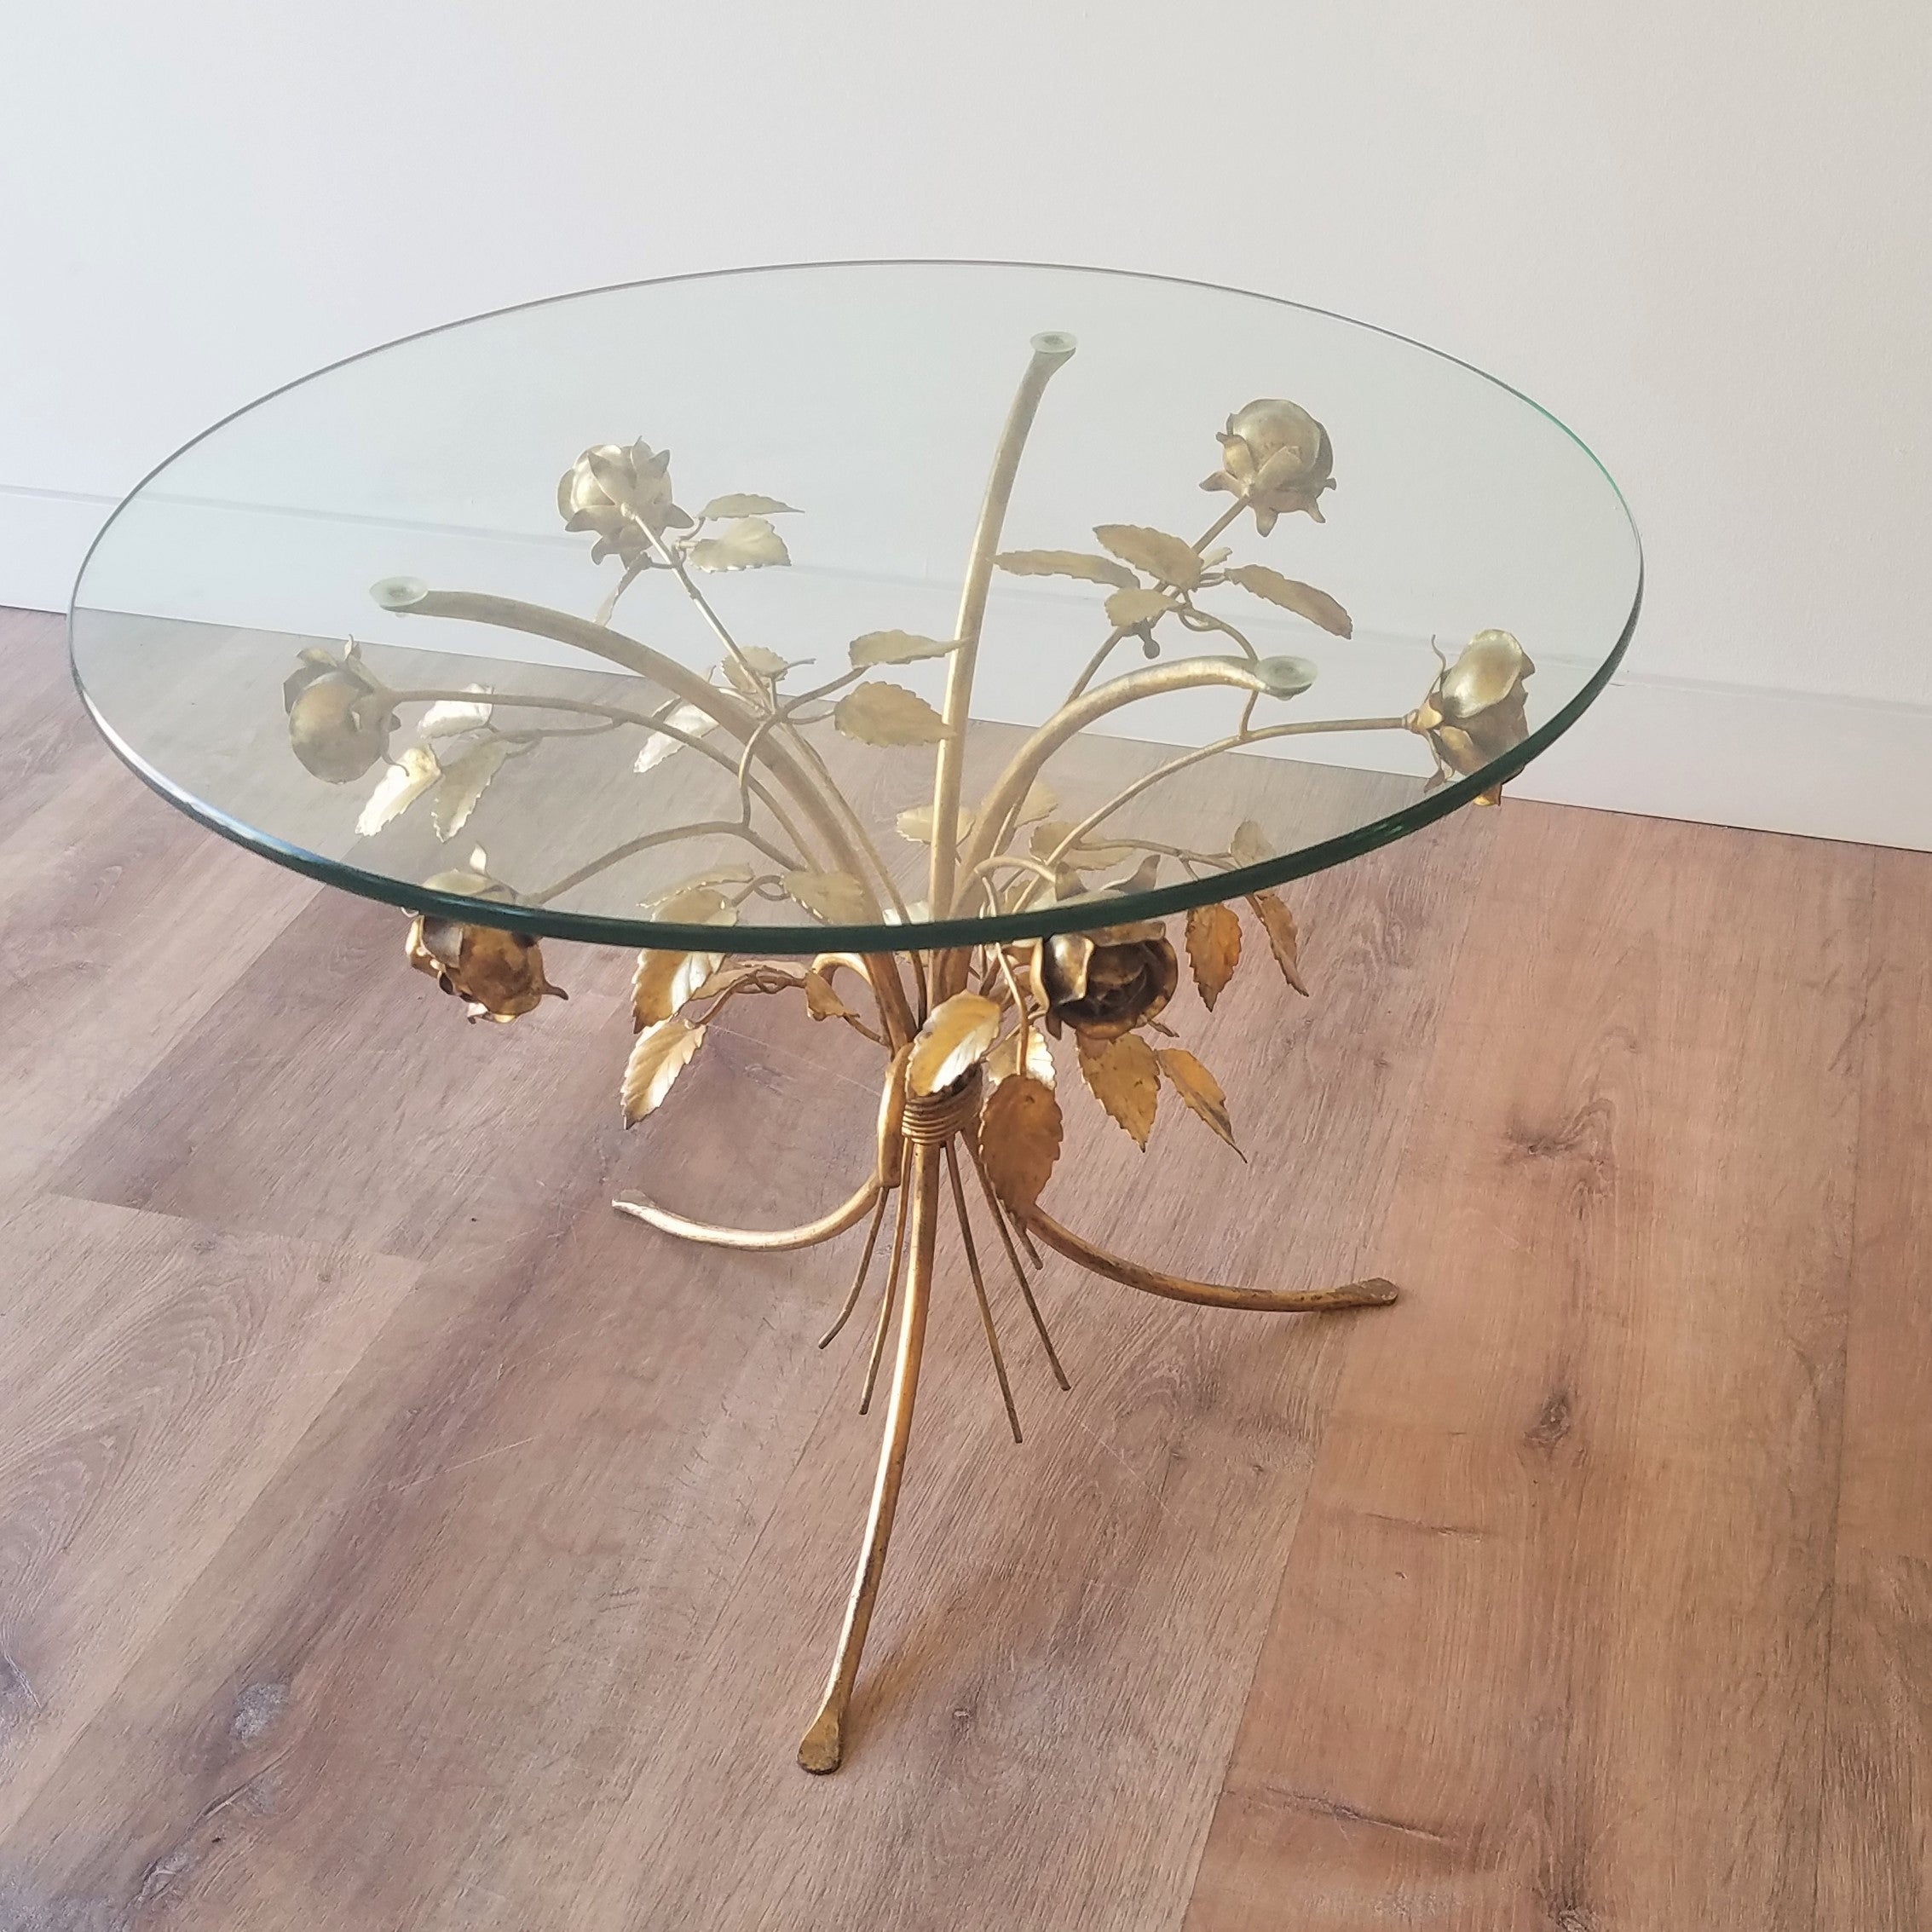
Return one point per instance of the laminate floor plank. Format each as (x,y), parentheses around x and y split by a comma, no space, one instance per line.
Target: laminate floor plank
(392,1539)
(121,923)
(152,1376)
(47,735)
(474,1584)
(1551,1649)
(1876,1870)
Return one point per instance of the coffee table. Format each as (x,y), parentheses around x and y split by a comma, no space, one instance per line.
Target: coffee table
(1000,641)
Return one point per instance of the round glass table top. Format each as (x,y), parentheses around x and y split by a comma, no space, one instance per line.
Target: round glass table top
(857,606)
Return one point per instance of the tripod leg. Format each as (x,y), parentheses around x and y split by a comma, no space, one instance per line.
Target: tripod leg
(824,1743)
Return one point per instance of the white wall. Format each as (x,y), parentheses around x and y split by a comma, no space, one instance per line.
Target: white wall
(1699,233)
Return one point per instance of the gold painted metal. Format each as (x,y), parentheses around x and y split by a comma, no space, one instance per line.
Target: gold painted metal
(996,1208)
(969,1077)
(1374,1293)
(1050,351)
(848,1213)
(823,1745)
(885,1306)
(852,1295)
(986,1320)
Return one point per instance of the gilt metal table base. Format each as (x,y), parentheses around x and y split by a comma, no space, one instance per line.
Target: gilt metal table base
(919,1134)
(700,758)
(970,1081)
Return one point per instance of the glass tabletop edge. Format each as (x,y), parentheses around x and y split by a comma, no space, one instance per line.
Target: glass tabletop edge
(545,922)
(786,941)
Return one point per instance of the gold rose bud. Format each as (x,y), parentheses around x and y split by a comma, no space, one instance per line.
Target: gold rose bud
(1474,712)
(624,494)
(339,720)
(499,973)
(1276,458)
(1104,983)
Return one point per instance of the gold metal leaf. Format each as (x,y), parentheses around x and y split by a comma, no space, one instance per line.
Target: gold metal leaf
(467,880)
(1126,1080)
(1248,846)
(822,1000)
(745,503)
(450,715)
(1200,1090)
(464,781)
(1172,560)
(836,897)
(915,823)
(1144,878)
(896,647)
(763,975)
(691,719)
(1303,599)
(1040,802)
(659,1054)
(1048,835)
(472,880)
(664,982)
(757,663)
(1020,1132)
(1213,949)
(1003,1062)
(747,545)
(888,714)
(398,788)
(733,872)
(694,905)
(956,1036)
(1066,564)
(1125,610)
(1283,942)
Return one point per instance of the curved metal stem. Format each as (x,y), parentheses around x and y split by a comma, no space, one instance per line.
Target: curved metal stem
(823,1745)
(995,1207)
(851,1299)
(709,828)
(1010,788)
(888,996)
(1049,352)
(1115,636)
(1302,727)
(1374,1293)
(712,1234)
(980,1296)
(886,1301)
(733,714)
(613,715)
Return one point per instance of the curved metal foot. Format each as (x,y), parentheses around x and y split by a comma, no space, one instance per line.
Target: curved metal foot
(1374,1293)
(823,1746)
(712,1236)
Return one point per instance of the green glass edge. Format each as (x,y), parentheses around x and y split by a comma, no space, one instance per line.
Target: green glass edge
(779,941)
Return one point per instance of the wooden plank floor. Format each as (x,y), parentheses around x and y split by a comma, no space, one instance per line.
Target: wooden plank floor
(391,1538)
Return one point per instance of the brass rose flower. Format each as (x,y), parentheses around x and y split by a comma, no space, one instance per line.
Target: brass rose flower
(1104,983)
(1474,712)
(500,974)
(339,720)
(624,494)
(1276,457)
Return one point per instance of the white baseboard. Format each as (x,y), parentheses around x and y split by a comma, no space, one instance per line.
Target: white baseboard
(1773,761)
(1821,766)
(44,536)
